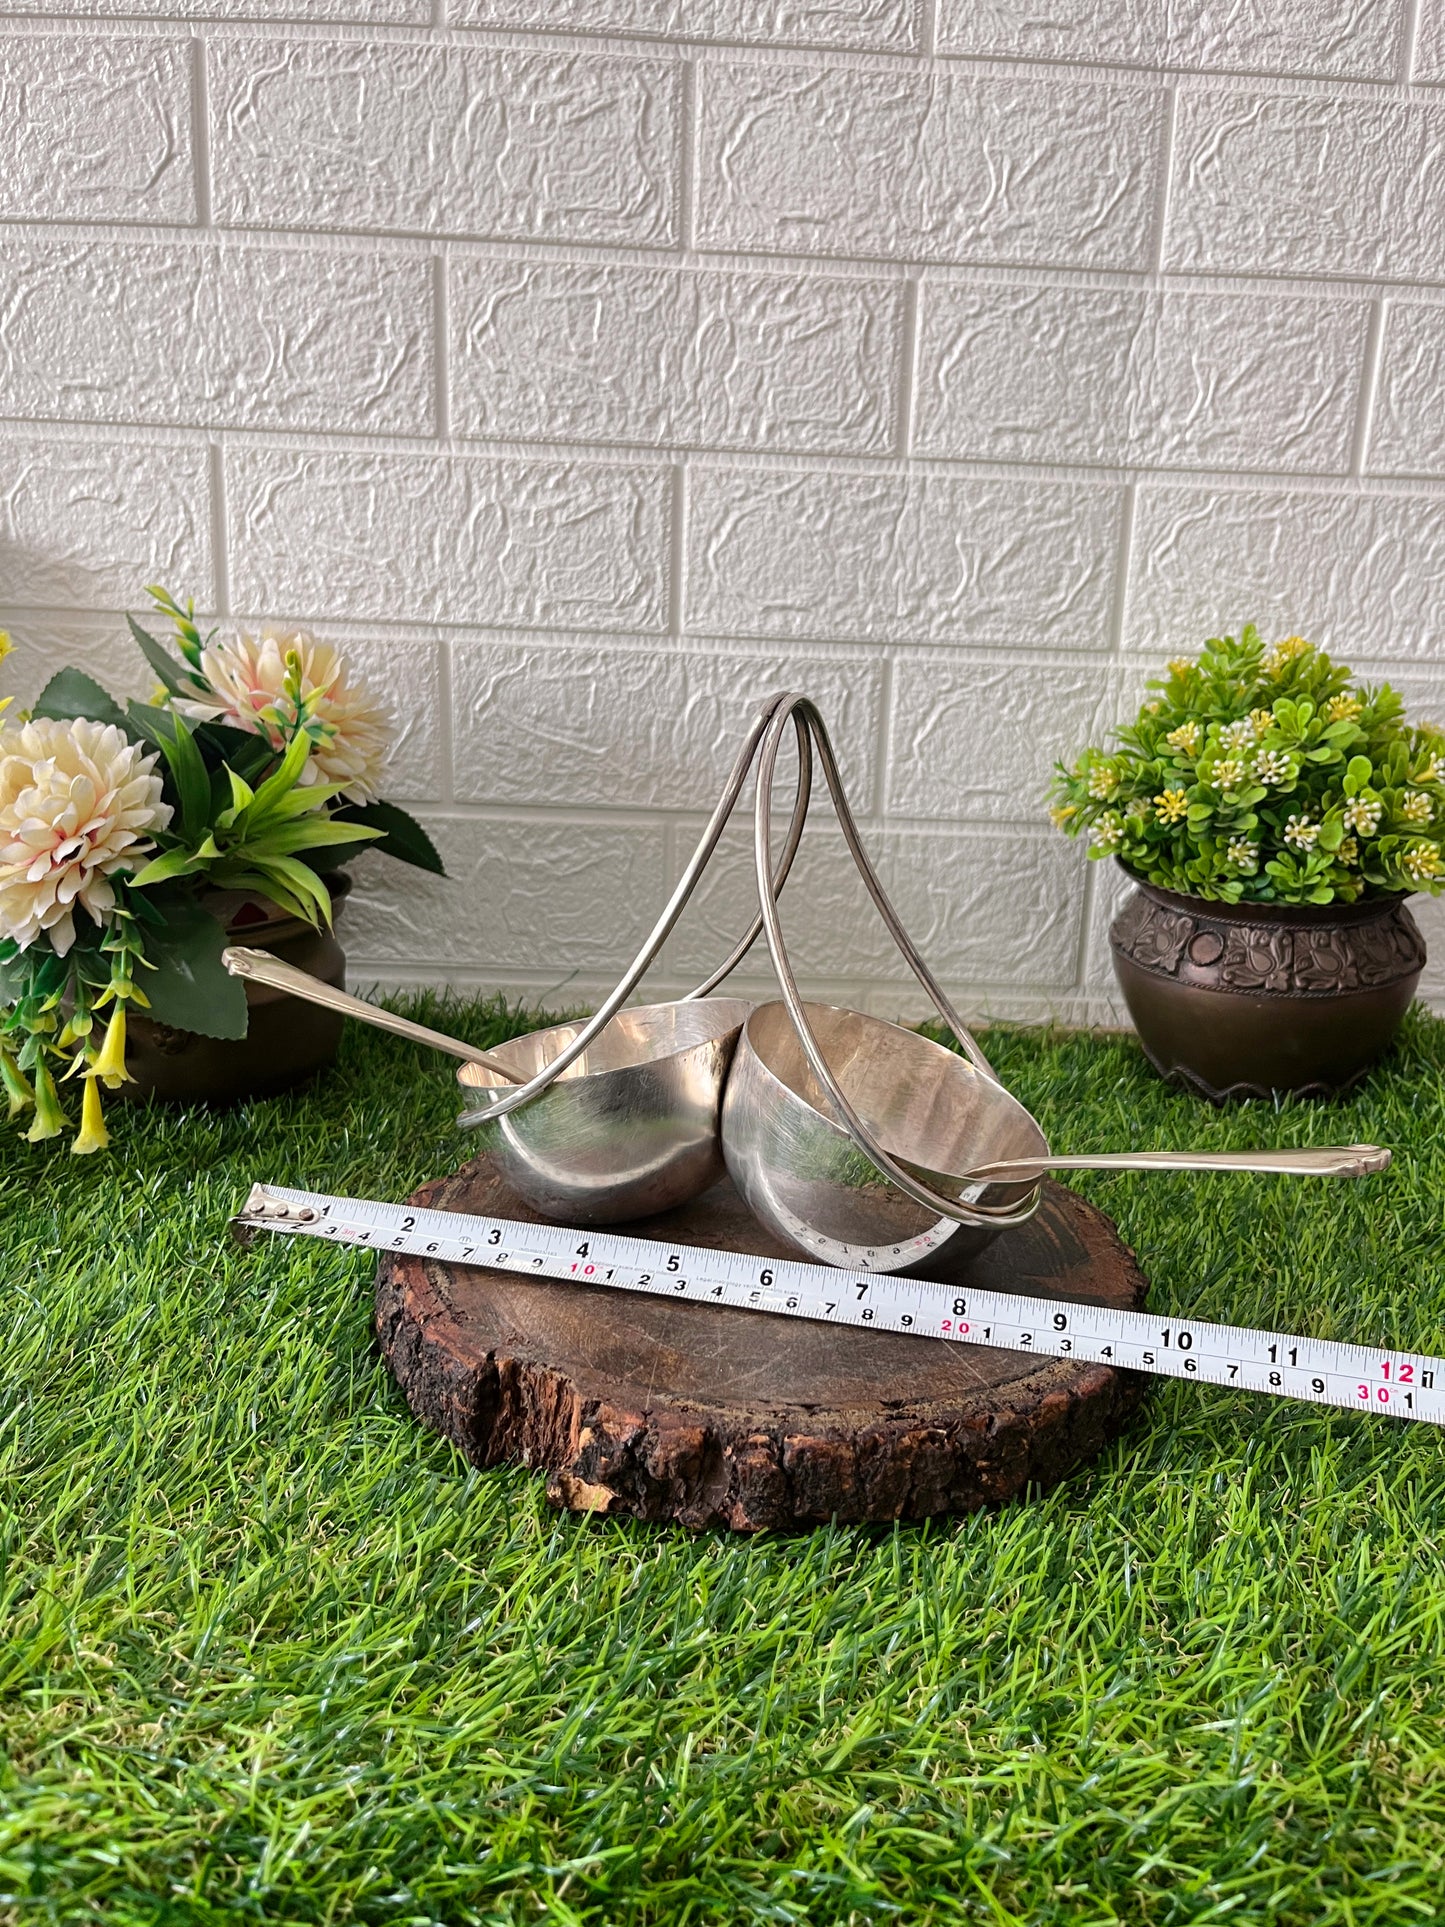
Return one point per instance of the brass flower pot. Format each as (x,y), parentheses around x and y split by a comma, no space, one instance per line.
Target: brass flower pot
(1246,1000)
(286,1040)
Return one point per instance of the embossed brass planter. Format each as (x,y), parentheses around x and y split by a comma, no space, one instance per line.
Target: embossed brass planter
(1244,1000)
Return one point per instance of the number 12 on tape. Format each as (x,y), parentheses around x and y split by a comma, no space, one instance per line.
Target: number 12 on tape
(1408,1385)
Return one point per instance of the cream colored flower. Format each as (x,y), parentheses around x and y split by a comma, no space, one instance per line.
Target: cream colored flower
(1109,831)
(1240,735)
(1102,782)
(1417,808)
(1363,816)
(1301,832)
(76,803)
(248,688)
(1272,766)
(1229,773)
(1421,863)
(1284,653)
(1243,854)
(1185,739)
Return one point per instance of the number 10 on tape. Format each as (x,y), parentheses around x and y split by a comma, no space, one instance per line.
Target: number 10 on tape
(1407,1385)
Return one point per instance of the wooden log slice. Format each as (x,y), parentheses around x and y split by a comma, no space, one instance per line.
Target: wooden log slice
(674,1411)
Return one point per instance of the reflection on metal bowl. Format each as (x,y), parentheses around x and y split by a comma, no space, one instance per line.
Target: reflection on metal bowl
(630,1127)
(934,1111)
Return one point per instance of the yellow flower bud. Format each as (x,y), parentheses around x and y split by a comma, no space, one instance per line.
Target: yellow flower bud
(93,1126)
(15,1084)
(73,1030)
(110,1064)
(50,1120)
(93,1134)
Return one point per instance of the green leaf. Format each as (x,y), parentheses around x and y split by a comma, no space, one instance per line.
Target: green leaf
(70,693)
(14,977)
(282,779)
(307,799)
(242,795)
(190,988)
(165,665)
(294,839)
(146,904)
(1358,772)
(249,755)
(164,868)
(403,837)
(267,877)
(172,736)
(302,880)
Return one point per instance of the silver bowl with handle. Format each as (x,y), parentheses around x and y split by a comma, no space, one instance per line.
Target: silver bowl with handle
(629,1127)
(801,1172)
(615,1116)
(859,1141)
(875,1149)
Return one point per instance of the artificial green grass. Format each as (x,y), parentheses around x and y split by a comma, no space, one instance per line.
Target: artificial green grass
(271,1652)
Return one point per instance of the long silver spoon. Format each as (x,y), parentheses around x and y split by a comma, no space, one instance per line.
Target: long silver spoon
(1325,1161)
(1320,1161)
(261,966)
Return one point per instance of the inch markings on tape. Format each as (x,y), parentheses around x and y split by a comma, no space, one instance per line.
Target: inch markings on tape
(1407,1385)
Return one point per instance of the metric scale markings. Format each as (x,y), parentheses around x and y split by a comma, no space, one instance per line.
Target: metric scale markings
(1394,1384)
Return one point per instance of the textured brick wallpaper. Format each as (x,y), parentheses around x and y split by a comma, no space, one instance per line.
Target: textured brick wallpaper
(592,367)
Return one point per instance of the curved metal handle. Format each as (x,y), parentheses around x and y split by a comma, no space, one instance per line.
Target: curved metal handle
(497,1106)
(1317,1161)
(263,968)
(795,708)
(802,797)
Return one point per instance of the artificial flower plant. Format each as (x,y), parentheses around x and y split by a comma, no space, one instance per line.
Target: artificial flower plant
(1265,776)
(254,768)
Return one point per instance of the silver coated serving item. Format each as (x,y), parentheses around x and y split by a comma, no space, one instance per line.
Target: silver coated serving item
(262,968)
(614,1117)
(629,1128)
(858,1140)
(868,1145)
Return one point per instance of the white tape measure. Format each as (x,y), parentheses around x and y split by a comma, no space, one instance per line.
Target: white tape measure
(1320,1371)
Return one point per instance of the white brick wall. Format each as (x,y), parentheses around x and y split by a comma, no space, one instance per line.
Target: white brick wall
(591,367)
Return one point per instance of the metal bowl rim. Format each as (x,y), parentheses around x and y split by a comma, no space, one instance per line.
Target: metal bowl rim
(943,1053)
(477,1078)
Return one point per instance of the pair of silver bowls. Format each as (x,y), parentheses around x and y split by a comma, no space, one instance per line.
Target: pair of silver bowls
(668,1096)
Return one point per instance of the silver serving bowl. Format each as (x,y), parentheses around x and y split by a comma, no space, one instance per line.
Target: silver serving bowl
(630,1127)
(801,1173)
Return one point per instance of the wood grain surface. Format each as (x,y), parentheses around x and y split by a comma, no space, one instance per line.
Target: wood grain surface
(707,1417)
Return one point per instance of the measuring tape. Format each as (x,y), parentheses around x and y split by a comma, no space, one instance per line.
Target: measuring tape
(1320,1371)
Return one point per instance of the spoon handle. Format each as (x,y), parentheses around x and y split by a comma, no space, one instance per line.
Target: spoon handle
(1323,1161)
(266,969)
